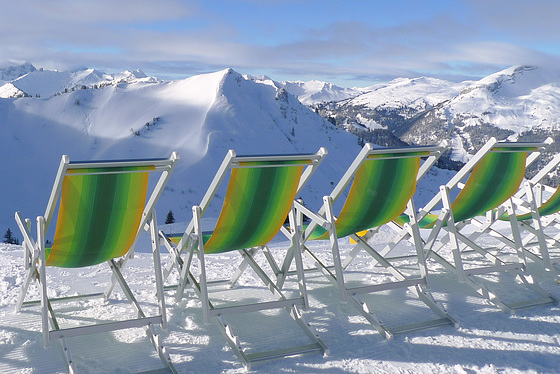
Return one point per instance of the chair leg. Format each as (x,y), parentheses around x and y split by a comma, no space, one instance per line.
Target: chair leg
(184,270)
(30,258)
(157,268)
(175,260)
(43,280)
(113,282)
(538,226)
(242,267)
(154,338)
(296,223)
(283,273)
(200,254)
(329,215)
(68,355)
(452,231)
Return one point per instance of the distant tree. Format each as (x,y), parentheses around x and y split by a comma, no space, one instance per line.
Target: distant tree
(9,237)
(170,218)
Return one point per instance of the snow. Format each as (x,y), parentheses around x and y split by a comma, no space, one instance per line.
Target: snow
(420,93)
(485,341)
(314,91)
(8,90)
(310,92)
(45,83)
(519,98)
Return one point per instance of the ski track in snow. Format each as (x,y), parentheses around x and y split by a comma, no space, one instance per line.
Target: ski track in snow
(486,340)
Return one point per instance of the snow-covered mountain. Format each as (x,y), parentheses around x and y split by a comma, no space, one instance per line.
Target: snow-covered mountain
(520,102)
(518,99)
(314,91)
(12,72)
(415,93)
(310,92)
(29,81)
(200,117)
(130,115)
(8,90)
(203,116)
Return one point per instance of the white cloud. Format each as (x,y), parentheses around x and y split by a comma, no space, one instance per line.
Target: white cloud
(526,20)
(187,37)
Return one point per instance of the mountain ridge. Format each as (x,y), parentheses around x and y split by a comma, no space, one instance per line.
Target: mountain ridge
(517,103)
(205,115)
(201,117)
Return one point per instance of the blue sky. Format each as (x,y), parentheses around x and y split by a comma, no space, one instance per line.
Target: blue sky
(349,43)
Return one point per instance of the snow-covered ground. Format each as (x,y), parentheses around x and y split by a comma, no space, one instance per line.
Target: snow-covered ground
(486,340)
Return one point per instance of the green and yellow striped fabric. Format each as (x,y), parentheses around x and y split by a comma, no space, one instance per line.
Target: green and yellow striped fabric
(429,220)
(257,202)
(550,206)
(175,238)
(99,214)
(380,192)
(493,180)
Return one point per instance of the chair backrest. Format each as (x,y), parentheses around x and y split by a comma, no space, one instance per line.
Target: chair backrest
(260,194)
(102,208)
(494,179)
(493,173)
(384,180)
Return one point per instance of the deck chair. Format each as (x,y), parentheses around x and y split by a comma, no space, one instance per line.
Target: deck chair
(258,199)
(494,175)
(536,213)
(102,211)
(383,182)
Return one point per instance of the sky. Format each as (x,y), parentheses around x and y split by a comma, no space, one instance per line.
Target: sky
(350,43)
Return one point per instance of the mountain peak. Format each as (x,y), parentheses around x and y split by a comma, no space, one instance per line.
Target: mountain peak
(12,72)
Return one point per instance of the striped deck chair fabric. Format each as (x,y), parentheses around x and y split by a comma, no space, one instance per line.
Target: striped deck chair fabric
(380,192)
(99,215)
(550,206)
(493,180)
(257,202)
